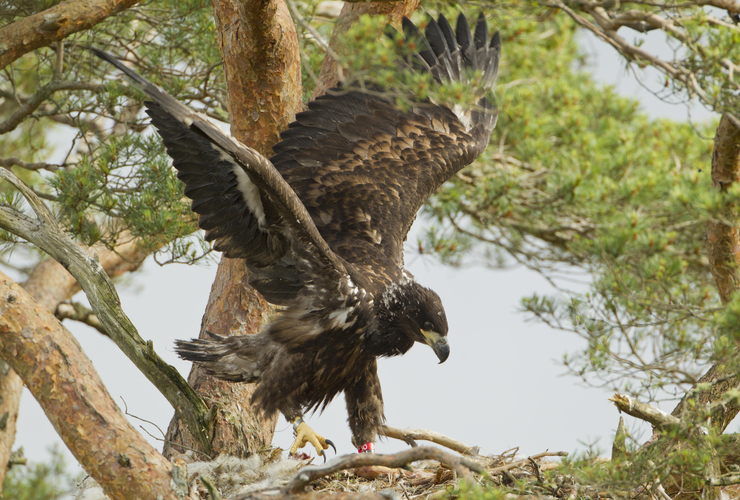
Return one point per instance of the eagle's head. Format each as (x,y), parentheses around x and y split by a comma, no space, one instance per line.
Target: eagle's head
(413,313)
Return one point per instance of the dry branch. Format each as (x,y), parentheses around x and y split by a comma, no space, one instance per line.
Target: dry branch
(54,24)
(77,312)
(461,466)
(528,460)
(643,411)
(63,380)
(45,233)
(410,435)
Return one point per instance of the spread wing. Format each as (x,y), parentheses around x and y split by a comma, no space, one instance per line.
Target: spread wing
(330,211)
(363,167)
(245,206)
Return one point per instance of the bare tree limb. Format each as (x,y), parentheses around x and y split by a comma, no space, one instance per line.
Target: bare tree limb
(409,435)
(53,367)
(46,235)
(54,24)
(643,411)
(77,312)
(50,284)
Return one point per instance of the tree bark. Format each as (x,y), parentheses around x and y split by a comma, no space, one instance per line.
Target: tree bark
(259,45)
(723,249)
(50,284)
(52,365)
(54,24)
(11,387)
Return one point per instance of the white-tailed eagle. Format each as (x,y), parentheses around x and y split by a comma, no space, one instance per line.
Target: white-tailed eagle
(321,226)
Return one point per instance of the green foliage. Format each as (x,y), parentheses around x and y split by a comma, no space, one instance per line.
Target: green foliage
(114,179)
(40,481)
(388,63)
(578,180)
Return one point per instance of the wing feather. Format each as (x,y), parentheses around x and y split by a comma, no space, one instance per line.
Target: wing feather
(364,180)
(245,205)
(331,209)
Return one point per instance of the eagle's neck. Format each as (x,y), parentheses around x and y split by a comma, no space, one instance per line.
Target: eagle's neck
(393,307)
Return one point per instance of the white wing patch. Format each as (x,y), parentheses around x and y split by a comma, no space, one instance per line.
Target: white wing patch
(339,318)
(250,192)
(463,115)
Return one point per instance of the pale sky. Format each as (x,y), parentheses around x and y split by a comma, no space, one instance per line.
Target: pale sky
(502,386)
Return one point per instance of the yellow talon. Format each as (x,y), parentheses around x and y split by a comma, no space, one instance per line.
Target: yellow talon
(305,434)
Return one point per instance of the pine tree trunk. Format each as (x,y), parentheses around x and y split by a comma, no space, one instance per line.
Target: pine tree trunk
(724,260)
(259,45)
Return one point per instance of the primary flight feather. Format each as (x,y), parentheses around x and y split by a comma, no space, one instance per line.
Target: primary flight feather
(321,225)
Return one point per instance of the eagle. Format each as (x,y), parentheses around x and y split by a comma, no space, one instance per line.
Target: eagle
(321,224)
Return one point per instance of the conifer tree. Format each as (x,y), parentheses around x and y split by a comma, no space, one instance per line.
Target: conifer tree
(576,178)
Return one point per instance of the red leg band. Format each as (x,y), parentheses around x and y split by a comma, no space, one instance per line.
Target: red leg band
(366,448)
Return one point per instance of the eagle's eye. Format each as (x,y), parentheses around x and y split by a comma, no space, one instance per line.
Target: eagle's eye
(428,326)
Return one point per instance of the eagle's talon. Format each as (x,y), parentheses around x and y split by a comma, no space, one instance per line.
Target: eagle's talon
(305,435)
(328,441)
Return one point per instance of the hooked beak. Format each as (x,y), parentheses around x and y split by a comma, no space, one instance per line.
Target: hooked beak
(438,344)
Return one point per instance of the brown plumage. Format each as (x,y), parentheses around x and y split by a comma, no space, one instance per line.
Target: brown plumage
(321,225)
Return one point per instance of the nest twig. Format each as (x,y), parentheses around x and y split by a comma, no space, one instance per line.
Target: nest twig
(461,466)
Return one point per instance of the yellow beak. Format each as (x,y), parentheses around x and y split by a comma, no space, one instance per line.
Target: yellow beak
(438,344)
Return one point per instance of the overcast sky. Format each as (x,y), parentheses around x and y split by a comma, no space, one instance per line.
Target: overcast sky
(502,386)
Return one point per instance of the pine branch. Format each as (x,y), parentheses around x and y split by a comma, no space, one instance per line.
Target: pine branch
(9,162)
(38,98)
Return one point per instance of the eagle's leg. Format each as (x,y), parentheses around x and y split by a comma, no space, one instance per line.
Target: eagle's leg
(365,409)
(303,433)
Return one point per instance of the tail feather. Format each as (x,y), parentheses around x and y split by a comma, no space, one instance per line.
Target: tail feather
(481,32)
(241,358)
